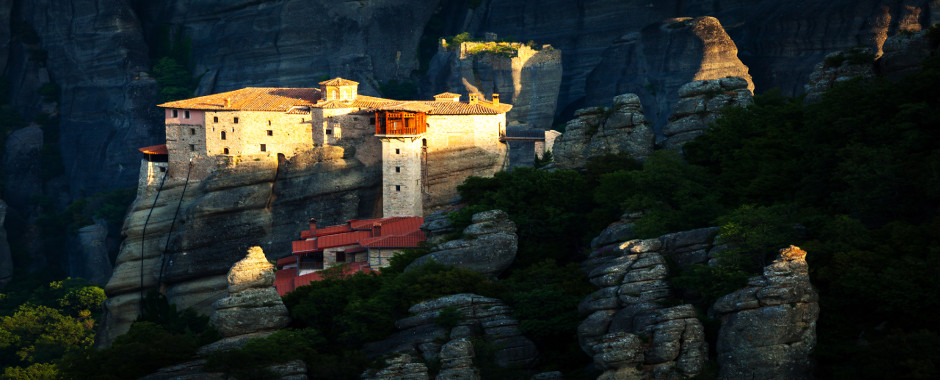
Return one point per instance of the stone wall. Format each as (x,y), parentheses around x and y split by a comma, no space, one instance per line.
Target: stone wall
(290,134)
(348,128)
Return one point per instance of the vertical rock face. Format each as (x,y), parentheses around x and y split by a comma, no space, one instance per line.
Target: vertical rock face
(97,54)
(597,131)
(196,231)
(488,246)
(6,260)
(627,330)
(529,80)
(488,319)
(700,103)
(21,165)
(904,52)
(668,55)
(88,257)
(769,328)
(252,305)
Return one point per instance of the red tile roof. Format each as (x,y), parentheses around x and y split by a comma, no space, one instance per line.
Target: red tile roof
(292,259)
(291,281)
(154,149)
(338,82)
(251,99)
(303,246)
(410,240)
(339,240)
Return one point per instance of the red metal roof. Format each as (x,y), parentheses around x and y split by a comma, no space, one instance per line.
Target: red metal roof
(331,230)
(154,149)
(303,246)
(410,240)
(339,240)
(292,259)
(287,285)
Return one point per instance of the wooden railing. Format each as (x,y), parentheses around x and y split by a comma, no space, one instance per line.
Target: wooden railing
(400,123)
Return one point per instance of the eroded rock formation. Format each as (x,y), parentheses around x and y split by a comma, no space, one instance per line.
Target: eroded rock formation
(839,67)
(769,328)
(88,254)
(252,304)
(529,80)
(700,103)
(597,131)
(487,246)
(669,54)
(196,231)
(628,331)
(422,340)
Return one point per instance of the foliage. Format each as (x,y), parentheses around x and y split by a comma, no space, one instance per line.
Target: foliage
(175,80)
(160,337)
(249,361)
(548,208)
(673,195)
(449,317)
(503,49)
(547,158)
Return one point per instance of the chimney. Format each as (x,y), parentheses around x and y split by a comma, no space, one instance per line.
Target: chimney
(495,99)
(473,98)
(313,224)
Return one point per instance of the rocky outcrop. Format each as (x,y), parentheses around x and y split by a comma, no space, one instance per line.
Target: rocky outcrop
(487,246)
(669,54)
(529,78)
(628,330)
(293,370)
(700,103)
(88,254)
(6,259)
(597,131)
(196,231)
(480,319)
(253,305)
(769,328)
(903,53)
(22,166)
(839,67)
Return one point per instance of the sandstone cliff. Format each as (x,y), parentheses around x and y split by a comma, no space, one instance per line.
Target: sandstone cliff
(668,55)
(529,80)
(597,131)
(193,239)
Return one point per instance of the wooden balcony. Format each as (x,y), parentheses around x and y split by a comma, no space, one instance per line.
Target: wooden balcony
(400,123)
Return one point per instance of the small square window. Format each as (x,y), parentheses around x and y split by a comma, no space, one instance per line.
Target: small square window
(192,131)
(192,148)
(176,113)
(303,120)
(397,187)
(270,133)
(329,131)
(162,169)
(186,114)
(264,148)
(398,169)
(215,119)
(397,151)
(236,120)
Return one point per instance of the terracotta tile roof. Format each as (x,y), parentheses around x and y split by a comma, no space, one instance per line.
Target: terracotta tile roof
(447,95)
(338,82)
(433,107)
(251,99)
(154,149)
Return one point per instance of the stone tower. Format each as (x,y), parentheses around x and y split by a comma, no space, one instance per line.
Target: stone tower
(402,175)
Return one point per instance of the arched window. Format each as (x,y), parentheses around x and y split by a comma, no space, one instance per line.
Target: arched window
(223,135)
(225,151)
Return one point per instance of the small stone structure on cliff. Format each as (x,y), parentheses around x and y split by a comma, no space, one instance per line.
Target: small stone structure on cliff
(422,340)
(700,104)
(597,131)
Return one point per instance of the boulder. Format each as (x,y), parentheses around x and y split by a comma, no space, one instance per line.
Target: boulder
(700,103)
(488,245)
(768,329)
(840,66)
